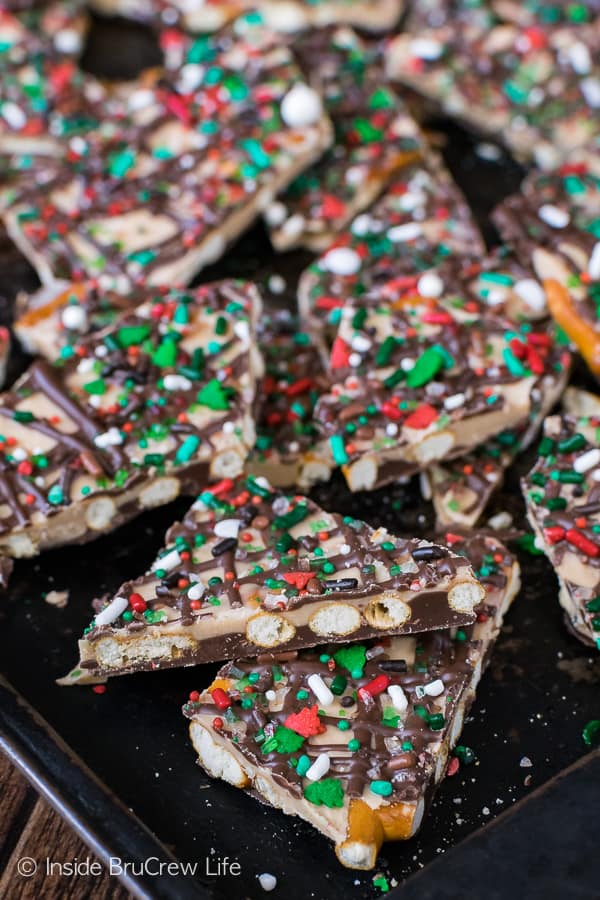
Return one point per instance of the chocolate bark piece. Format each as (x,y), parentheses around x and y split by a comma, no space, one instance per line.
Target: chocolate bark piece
(562,494)
(251,569)
(461,489)
(282,15)
(374,137)
(418,222)
(536,89)
(194,159)
(152,406)
(42,90)
(53,320)
(555,222)
(426,373)
(354,740)
(289,450)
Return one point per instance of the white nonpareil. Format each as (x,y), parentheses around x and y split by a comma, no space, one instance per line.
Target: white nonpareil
(301,106)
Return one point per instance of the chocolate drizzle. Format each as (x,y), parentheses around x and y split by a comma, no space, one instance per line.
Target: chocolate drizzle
(399,748)
(109,442)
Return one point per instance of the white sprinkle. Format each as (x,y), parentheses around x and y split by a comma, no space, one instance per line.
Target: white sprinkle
(110,438)
(342,261)
(454,401)
(532,293)
(67,41)
(13,115)
(112,611)
(434,688)
(275,214)
(74,317)
(270,695)
(361,225)
(525,762)
(177,383)
(191,76)
(391,429)
(398,697)
(360,343)
(590,88)
(355,360)
(276,284)
(587,461)
(301,106)
(580,59)
(242,330)
(167,562)
(553,216)
(407,363)
(594,263)
(408,232)
(267,881)
(320,690)
(425,48)
(228,528)
(500,520)
(319,768)
(488,151)
(430,285)
(196,591)
(19,454)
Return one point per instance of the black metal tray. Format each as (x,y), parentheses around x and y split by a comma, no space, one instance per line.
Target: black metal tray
(541,689)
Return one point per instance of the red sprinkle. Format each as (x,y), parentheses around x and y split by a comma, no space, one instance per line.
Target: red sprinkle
(582,543)
(422,417)
(554,534)
(340,354)
(306,722)
(453,767)
(220,698)
(99,689)
(377,686)
(194,696)
(137,603)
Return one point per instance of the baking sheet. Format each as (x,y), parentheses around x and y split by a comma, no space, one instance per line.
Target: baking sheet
(540,690)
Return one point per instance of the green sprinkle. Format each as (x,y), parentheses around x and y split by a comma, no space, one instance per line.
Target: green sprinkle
(55,495)
(187,449)
(327,792)
(338,449)
(382,788)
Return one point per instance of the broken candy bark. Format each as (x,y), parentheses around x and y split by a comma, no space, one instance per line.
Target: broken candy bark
(374,137)
(283,15)
(535,89)
(353,739)
(289,450)
(419,221)
(555,222)
(178,177)
(562,494)
(41,88)
(250,569)
(425,372)
(152,406)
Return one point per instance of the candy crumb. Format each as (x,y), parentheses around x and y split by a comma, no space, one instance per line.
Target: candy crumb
(267,881)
